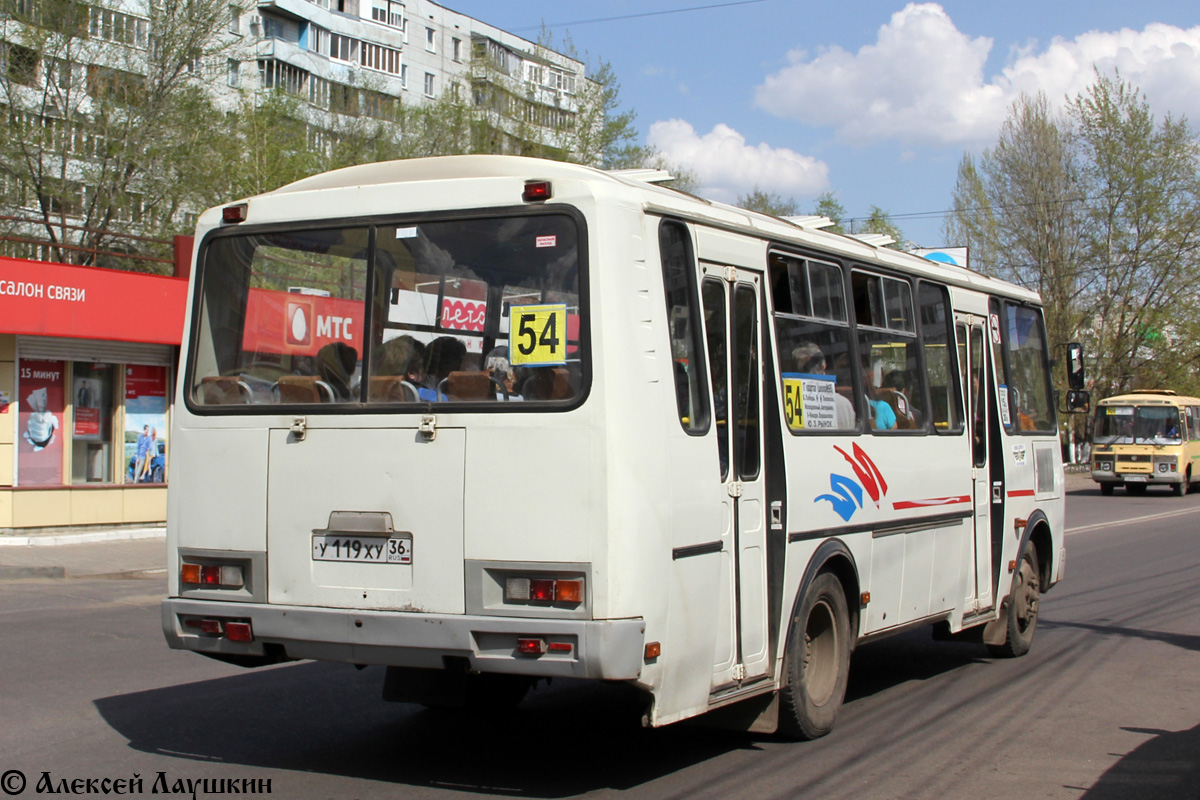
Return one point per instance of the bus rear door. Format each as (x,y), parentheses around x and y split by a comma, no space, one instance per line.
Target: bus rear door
(731,306)
(974,368)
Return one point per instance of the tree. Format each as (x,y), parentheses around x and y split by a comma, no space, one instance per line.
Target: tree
(768,203)
(1020,212)
(829,206)
(1143,239)
(880,221)
(1097,209)
(107,115)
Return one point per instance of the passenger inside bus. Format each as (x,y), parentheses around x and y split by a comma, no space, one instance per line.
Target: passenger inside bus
(445,355)
(336,363)
(881,415)
(897,382)
(398,367)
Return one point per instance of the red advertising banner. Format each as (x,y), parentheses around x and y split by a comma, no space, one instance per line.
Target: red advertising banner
(39,423)
(299,324)
(87,422)
(144,381)
(46,299)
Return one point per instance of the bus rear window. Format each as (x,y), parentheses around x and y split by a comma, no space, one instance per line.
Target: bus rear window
(481,310)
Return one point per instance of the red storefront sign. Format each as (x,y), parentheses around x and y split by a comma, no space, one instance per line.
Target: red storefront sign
(41,298)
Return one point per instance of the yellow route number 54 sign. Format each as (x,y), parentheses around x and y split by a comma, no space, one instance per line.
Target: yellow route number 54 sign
(537,335)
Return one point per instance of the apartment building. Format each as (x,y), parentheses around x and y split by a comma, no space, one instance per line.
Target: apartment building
(364,57)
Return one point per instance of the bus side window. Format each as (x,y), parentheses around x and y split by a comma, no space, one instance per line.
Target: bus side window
(945,410)
(888,349)
(683,324)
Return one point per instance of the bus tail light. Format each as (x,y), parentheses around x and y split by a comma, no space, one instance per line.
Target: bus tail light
(229,576)
(234,631)
(530,646)
(232,215)
(568,591)
(239,632)
(536,190)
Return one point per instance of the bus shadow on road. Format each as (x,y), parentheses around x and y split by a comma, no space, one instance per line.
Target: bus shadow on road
(569,739)
(1166,767)
(913,656)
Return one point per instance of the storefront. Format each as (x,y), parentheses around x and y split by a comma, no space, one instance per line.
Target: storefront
(87,370)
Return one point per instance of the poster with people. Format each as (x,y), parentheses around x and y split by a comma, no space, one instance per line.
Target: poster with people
(145,424)
(39,423)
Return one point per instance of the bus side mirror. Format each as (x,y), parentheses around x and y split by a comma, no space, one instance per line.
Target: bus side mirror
(1075,368)
(1079,401)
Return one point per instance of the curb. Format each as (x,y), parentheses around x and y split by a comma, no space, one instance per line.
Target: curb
(49,540)
(29,573)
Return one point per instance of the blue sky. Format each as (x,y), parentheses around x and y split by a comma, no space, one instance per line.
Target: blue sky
(874,101)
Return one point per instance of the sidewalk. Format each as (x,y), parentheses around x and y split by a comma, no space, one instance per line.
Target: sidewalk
(111,553)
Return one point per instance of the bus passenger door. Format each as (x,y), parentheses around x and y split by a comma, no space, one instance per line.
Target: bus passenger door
(973,355)
(731,309)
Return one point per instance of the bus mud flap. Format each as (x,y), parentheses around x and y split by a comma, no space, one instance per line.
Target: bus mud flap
(758,714)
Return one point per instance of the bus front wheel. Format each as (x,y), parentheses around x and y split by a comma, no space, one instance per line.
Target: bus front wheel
(1022,608)
(818,660)
(1106,489)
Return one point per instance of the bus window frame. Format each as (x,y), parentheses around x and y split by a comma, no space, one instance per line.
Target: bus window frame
(373,222)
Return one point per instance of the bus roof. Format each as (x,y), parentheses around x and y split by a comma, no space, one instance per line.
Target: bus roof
(653,199)
(1150,397)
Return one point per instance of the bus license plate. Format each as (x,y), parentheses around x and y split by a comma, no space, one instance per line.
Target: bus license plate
(362,549)
(1136,479)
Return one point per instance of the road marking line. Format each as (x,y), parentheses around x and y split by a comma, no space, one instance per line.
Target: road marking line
(1113,524)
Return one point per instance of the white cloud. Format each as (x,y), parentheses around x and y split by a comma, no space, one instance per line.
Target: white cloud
(923,80)
(728,166)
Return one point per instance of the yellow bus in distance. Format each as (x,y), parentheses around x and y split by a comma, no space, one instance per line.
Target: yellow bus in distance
(1146,438)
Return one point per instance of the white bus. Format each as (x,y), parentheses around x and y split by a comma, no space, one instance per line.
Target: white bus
(641,438)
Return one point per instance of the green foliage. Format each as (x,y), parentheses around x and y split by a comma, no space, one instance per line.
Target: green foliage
(829,206)
(768,203)
(1098,209)
(880,221)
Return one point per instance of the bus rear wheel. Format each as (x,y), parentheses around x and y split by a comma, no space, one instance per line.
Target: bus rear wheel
(1022,608)
(818,661)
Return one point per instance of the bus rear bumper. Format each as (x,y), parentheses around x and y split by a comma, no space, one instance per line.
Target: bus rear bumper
(597,649)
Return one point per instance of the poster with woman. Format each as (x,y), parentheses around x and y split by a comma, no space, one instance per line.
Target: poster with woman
(39,422)
(145,424)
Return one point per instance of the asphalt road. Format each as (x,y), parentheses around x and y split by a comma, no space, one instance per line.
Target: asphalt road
(1107,705)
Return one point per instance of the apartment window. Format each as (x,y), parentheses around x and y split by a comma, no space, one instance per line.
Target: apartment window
(378,57)
(235,19)
(318,40)
(388,12)
(278,75)
(342,48)
(457,49)
(430,40)
(273,28)
(20,64)
(232,72)
(318,91)
(404,76)
(429,84)
(113,26)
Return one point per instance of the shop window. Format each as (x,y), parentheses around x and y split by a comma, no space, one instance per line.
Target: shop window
(91,426)
(145,456)
(39,421)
